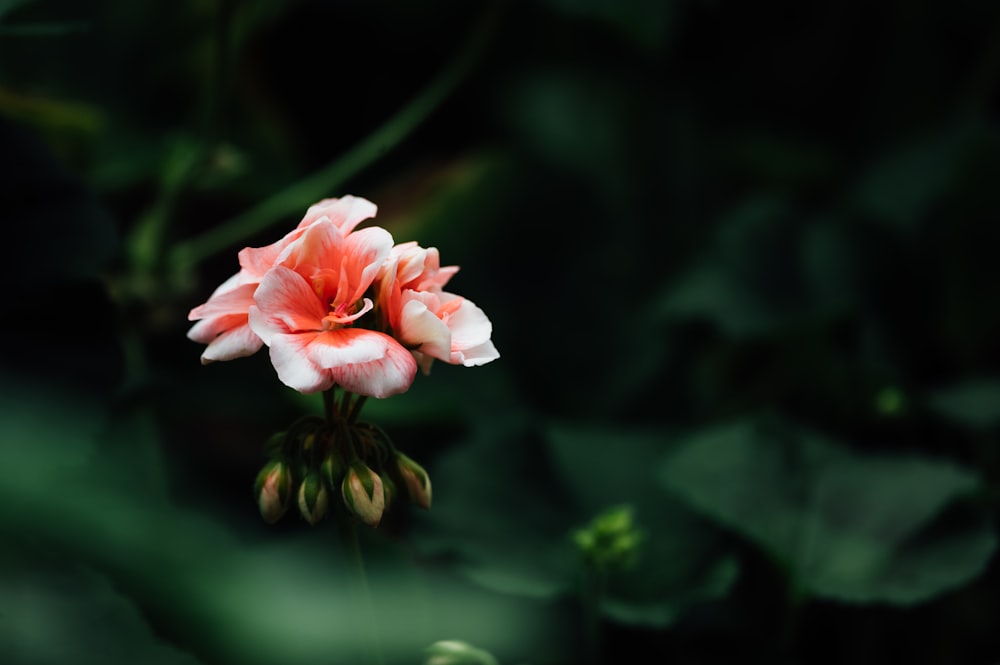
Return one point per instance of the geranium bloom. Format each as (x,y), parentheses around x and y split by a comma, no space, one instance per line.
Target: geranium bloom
(305,307)
(222,321)
(433,323)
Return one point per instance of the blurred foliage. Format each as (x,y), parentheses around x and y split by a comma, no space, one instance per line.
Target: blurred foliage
(740,259)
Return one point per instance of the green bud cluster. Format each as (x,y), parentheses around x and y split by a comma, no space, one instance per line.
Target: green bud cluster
(611,541)
(316,460)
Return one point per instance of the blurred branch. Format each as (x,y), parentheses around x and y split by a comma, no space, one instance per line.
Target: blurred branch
(319,185)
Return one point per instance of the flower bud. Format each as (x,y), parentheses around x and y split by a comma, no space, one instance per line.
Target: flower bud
(332,470)
(273,488)
(363,493)
(389,489)
(611,541)
(418,484)
(312,498)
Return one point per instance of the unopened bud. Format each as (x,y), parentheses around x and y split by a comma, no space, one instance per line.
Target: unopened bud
(389,489)
(611,541)
(313,498)
(273,489)
(363,493)
(332,470)
(418,483)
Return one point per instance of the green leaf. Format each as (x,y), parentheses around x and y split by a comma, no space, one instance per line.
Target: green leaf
(508,502)
(6,6)
(974,403)
(903,183)
(61,612)
(846,524)
(646,22)
(765,270)
(500,512)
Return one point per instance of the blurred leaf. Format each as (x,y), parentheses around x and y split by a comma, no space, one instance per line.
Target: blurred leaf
(846,524)
(260,595)
(6,6)
(904,182)
(765,270)
(508,504)
(974,403)
(681,559)
(576,120)
(500,511)
(66,614)
(644,21)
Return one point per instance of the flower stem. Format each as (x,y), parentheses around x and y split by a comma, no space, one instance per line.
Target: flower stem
(321,183)
(330,404)
(355,411)
(349,533)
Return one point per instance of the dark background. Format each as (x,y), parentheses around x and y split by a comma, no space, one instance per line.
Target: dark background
(740,260)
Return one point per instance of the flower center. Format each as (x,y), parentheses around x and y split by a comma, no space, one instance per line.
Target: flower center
(345,314)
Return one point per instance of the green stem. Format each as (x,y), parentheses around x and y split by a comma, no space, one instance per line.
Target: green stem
(330,404)
(328,179)
(355,411)
(349,532)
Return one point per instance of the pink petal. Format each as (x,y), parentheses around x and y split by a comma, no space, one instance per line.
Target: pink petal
(362,361)
(320,247)
(346,212)
(236,299)
(391,375)
(206,330)
(290,357)
(286,303)
(469,325)
(257,261)
(420,327)
(238,342)
(364,253)
(346,346)
(410,259)
(476,355)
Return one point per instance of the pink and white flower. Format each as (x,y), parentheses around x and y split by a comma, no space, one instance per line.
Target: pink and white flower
(305,306)
(304,297)
(433,323)
(222,321)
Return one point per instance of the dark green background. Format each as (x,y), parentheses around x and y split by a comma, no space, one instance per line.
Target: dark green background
(740,259)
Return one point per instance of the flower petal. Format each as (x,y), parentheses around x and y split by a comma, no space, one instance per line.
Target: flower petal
(237,342)
(235,299)
(345,212)
(476,355)
(362,361)
(364,253)
(390,374)
(285,303)
(290,357)
(346,346)
(420,327)
(469,325)
(319,248)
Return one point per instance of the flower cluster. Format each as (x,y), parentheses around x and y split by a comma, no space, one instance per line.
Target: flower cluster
(341,306)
